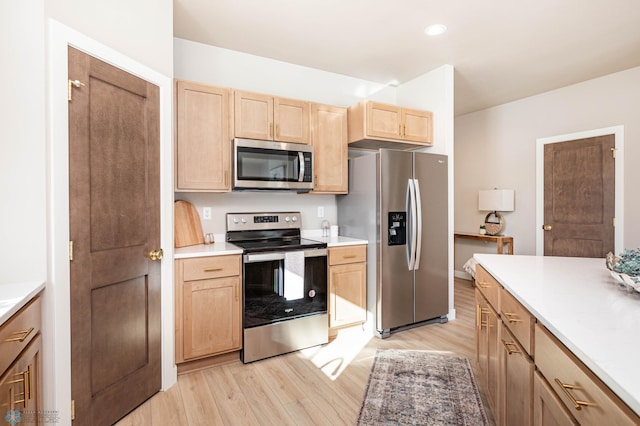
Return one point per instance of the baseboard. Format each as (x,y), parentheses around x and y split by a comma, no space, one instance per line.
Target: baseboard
(463,275)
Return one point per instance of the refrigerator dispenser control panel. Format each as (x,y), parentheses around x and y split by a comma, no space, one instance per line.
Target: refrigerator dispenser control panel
(397,228)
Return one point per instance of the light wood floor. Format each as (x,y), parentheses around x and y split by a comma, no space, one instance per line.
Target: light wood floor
(321,386)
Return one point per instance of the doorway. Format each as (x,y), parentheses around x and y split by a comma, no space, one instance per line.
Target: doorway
(579,194)
(114,225)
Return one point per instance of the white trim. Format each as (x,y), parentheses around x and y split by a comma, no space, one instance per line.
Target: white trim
(56,324)
(618,132)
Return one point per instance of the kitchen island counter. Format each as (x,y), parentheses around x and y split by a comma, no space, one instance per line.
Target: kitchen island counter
(14,296)
(578,301)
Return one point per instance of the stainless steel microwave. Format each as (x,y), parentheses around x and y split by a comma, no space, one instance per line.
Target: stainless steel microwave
(260,164)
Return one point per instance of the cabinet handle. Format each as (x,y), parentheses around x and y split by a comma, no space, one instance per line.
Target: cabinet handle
(508,345)
(212,269)
(509,316)
(271,130)
(277,134)
(577,404)
(24,333)
(349,256)
(25,379)
(400,129)
(482,284)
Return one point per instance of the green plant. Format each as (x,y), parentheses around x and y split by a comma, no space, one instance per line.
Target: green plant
(629,262)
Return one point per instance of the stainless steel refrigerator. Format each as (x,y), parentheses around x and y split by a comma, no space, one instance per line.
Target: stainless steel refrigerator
(398,201)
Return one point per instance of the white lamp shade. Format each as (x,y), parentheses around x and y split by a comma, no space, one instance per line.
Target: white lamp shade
(496,200)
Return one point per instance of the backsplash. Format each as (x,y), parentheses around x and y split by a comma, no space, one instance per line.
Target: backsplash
(250,201)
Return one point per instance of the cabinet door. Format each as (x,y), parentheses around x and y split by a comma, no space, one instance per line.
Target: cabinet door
(417,126)
(548,410)
(19,385)
(253,115)
(487,348)
(203,154)
(211,316)
(347,294)
(516,381)
(383,121)
(291,119)
(329,140)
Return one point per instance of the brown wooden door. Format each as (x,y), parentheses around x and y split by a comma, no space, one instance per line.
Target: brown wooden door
(114,224)
(579,202)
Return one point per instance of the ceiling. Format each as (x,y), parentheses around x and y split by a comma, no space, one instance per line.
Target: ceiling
(501,50)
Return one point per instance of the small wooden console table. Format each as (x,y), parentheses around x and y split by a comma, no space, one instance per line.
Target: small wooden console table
(500,240)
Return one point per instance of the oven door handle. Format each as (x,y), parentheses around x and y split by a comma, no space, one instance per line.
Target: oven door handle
(263,257)
(280,255)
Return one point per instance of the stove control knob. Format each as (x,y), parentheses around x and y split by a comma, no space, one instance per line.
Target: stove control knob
(294,218)
(243,220)
(287,219)
(235,220)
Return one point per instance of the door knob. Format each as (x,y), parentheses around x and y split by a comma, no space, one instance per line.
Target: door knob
(546,227)
(156,254)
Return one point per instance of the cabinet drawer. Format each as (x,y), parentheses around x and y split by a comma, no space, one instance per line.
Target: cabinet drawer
(517,319)
(18,331)
(581,387)
(204,268)
(488,286)
(347,254)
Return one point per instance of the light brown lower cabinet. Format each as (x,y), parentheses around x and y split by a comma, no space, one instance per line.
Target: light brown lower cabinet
(548,410)
(583,394)
(539,381)
(516,381)
(487,348)
(347,285)
(20,384)
(208,306)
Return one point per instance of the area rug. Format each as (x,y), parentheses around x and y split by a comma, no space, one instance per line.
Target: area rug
(421,388)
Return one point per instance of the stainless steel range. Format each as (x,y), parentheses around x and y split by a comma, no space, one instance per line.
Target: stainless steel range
(284,284)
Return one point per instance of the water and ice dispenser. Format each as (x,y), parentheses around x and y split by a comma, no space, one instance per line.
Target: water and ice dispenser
(397,232)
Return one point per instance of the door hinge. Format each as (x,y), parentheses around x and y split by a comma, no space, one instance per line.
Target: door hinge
(73,409)
(71,84)
(70,250)
(613,152)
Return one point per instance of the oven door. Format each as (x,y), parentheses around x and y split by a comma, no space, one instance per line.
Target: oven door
(272,165)
(283,285)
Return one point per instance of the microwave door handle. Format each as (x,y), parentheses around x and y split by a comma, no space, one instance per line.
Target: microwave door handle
(301,167)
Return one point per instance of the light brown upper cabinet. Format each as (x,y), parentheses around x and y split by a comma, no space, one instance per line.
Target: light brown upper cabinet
(259,116)
(203,147)
(329,140)
(375,125)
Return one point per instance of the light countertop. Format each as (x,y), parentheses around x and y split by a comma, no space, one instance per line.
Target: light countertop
(221,248)
(581,304)
(14,296)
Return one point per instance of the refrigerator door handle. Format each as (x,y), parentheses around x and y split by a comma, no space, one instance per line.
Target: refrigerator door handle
(411,246)
(418,232)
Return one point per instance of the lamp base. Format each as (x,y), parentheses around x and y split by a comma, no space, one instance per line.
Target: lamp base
(493,225)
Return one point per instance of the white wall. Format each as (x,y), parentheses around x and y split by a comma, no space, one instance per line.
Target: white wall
(23,233)
(140,29)
(496,148)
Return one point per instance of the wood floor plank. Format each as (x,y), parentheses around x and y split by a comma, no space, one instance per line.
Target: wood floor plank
(200,407)
(265,406)
(319,386)
(232,405)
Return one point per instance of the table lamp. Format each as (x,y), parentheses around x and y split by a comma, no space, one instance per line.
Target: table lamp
(495,201)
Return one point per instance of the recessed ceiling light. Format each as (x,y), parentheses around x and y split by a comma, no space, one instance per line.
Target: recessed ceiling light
(435,29)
